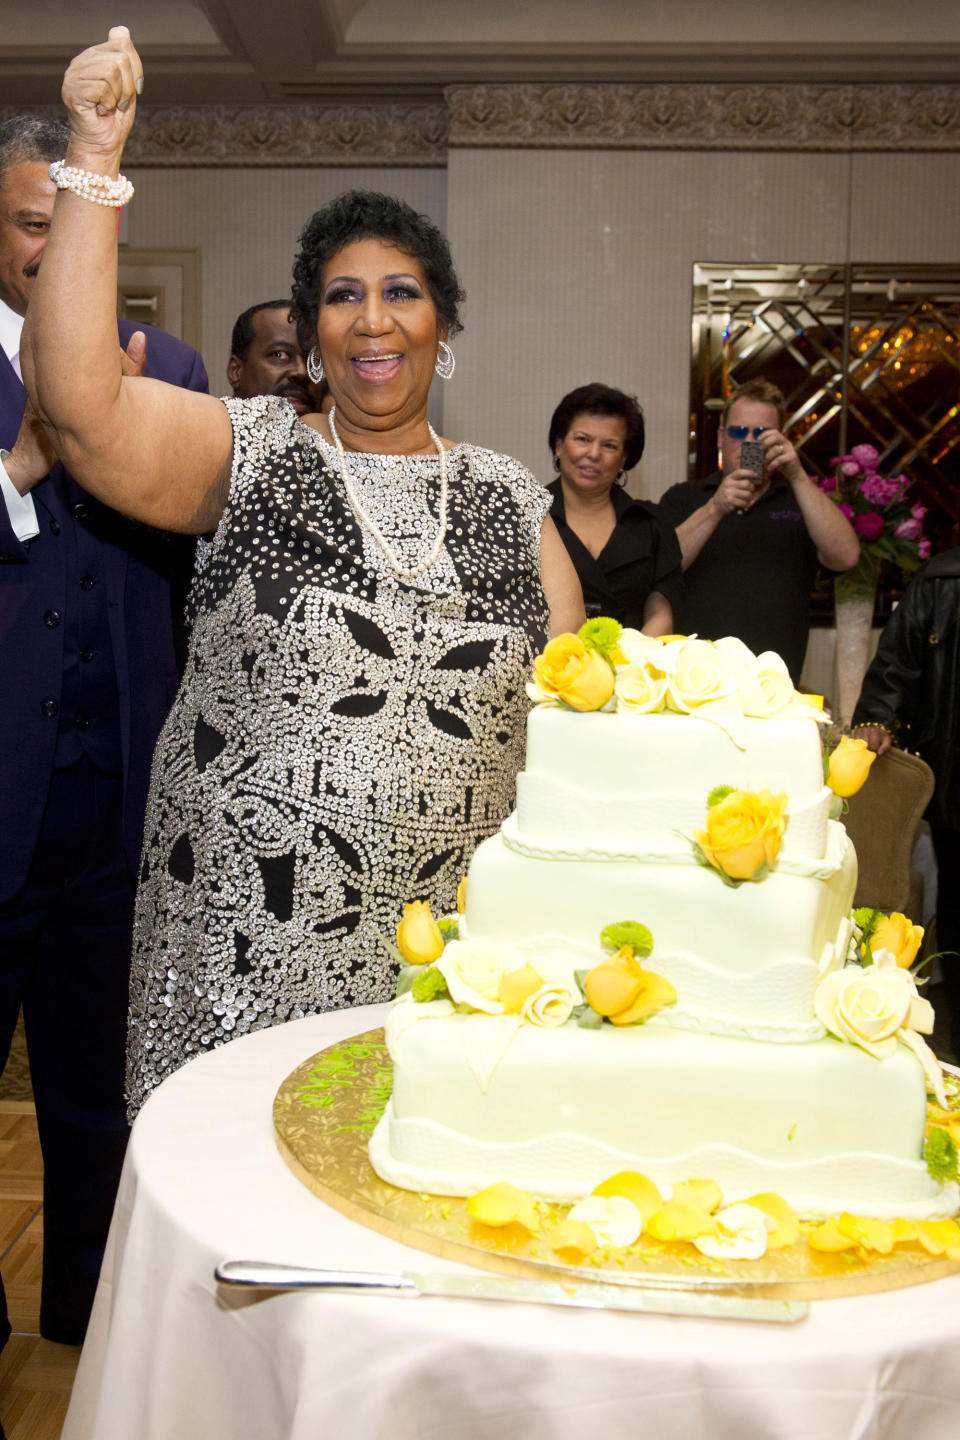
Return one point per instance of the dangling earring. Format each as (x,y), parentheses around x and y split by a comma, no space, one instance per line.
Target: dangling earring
(556,463)
(446,361)
(621,478)
(315,365)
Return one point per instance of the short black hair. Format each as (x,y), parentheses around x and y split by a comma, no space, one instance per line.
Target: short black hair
(369,215)
(242,336)
(31,137)
(598,399)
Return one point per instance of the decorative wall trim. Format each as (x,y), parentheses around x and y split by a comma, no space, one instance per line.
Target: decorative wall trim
(282,135)
(557,117)
(706,117)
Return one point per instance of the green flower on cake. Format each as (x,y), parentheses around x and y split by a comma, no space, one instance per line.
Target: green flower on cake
(627,932)
(428,985)
(940,1153)
(603,634)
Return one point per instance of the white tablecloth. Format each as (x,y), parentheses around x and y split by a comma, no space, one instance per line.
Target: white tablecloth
(169,1358)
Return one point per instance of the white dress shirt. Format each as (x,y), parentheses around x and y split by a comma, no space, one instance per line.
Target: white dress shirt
(20,508)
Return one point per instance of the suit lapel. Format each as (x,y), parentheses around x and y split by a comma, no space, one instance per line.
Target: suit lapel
(13,400)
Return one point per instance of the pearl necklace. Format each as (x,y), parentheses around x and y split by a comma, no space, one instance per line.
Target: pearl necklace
(367,521)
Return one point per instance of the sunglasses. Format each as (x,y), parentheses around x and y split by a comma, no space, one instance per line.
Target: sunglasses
(740,432)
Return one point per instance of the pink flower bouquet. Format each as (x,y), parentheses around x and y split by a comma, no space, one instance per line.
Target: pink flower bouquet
(887,526)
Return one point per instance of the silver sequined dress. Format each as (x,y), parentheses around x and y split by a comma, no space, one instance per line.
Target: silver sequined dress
(342,739)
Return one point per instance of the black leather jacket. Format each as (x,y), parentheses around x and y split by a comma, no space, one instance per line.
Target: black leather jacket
(913,683)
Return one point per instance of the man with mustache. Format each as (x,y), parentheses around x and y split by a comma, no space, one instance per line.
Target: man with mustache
(266,358)
(87,657)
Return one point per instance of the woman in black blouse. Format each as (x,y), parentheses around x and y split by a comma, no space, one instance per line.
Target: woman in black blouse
(628,564)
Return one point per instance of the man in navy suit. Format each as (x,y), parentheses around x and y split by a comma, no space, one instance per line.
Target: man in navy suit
(86,649)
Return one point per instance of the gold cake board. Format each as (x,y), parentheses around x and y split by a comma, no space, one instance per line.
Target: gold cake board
(324,1114)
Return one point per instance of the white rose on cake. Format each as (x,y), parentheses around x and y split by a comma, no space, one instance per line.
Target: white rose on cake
(697,675)
(473,970)
(763,681)
(549,1007)
(639,690)
(867,1007)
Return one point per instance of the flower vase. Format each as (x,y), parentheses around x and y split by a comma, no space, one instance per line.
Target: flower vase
(855,598)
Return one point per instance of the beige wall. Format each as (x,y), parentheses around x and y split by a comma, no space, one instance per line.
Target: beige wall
(246,223)
(578,266)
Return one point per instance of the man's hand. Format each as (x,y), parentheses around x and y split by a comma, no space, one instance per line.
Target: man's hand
(877,739)
(780,458)
(33,455)
(737,492)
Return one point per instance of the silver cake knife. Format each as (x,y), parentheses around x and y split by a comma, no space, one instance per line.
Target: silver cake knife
(646,1298)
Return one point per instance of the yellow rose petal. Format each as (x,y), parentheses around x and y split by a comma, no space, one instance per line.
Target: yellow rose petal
(504,1204)
(655,993)
(517,987)
(680,1222)
(783,1214)
(637,1188)
(462,896)
(939,1237)
(827,1237)
(703,1194)
(869,1234)
(572,1240)
(625,960)
(904,1231)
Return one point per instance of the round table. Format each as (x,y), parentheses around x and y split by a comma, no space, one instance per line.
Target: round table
(170,1355)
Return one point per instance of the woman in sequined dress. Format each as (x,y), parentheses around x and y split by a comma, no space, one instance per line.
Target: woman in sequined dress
(351,718)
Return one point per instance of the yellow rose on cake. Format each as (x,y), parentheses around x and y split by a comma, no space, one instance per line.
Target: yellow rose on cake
(743,833)
(849,766)
(898,937)
(418,935)
(568,671)
(621,991)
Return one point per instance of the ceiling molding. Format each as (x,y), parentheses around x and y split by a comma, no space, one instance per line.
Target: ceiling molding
(706,117)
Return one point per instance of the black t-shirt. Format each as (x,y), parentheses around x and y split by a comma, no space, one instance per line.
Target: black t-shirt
(754,575)
(642,555)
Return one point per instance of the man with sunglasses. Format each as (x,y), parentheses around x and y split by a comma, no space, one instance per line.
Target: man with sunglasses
(751,542)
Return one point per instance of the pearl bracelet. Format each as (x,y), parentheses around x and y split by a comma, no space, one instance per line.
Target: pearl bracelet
(89,185)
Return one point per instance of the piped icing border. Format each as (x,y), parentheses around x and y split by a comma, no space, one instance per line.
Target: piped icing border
(809,867)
